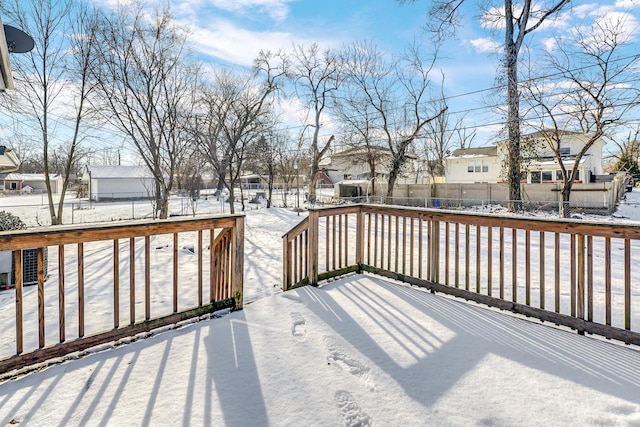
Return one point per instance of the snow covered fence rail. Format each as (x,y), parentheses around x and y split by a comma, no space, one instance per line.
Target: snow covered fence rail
(160,272)
(581,274)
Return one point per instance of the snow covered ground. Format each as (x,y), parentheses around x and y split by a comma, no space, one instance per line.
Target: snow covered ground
(357,351)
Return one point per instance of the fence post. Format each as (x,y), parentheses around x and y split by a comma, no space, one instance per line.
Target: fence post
(285,263)
(237,276)
(312,247)
(581,276)
(360,238)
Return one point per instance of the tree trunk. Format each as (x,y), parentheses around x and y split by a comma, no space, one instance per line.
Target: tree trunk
(390,185)
(164,205)
(513,127)
(315,169)
(565,208)
(232,200)
(270,191)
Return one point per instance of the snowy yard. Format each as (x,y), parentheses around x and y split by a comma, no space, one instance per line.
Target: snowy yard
(356,351)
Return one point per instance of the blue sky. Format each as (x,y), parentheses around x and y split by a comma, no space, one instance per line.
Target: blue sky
(231,32)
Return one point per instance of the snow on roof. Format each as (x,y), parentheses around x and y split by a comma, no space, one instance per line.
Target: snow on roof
(33,177)
(117,171)
(491,151)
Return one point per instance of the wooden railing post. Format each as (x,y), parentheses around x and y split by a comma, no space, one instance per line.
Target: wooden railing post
(581,276)
(286,263)
(312,248)
(360,238)
(237,275)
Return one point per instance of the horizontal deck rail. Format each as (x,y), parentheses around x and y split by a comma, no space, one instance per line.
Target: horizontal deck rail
(158,273)
(576,273)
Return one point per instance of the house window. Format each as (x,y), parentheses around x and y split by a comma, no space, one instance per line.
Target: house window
(565,151)
(478,166)
(346,176)
(559,175)
(577,176)
(14,185)
(547,176)
(535,177)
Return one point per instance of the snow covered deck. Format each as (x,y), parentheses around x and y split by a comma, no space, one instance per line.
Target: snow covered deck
(356,351)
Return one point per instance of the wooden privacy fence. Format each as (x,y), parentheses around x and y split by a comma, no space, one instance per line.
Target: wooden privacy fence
(581,274)
(113,281)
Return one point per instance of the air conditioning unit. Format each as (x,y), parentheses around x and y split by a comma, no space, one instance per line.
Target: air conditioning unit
(29,267)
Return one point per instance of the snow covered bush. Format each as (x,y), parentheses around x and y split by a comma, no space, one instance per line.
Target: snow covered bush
(9,221)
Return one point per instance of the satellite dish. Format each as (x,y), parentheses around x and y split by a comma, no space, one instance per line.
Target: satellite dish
(17,40)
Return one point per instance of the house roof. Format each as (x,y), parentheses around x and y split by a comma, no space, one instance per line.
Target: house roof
(361,149)
(538,135)
(33,177)
(491,151)
(117,172)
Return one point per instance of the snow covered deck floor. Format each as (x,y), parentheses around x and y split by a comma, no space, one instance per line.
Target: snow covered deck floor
(357,351)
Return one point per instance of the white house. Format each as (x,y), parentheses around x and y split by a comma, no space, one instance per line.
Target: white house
(30,182)
(352,164)
(485,164)
(470,165)
(118,182)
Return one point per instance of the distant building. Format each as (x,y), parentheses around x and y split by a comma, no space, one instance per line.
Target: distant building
(118,182)
(353,164)
(26,183)
(469,165)
(485,164)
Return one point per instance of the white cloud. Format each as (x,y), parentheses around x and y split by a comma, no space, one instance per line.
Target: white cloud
(486,44)
(550,44)
(628,4)
(276,9)
(224,40)
(621,25)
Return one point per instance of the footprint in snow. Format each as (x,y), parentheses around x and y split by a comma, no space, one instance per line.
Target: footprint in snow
(338,357)
(350,412)
(298,326)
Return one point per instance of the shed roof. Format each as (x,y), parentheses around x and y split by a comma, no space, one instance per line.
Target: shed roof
(117,172)
(491,151)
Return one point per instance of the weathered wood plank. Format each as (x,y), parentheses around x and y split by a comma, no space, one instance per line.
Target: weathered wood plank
(17,259)
(41,305)
(64,235)
(132,280)
(116,283)
(80,289)
(61,296)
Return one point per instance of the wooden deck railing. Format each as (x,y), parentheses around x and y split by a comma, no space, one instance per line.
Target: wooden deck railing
(159,272)
(584,275)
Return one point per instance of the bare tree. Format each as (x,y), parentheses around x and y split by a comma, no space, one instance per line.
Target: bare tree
(627,155)
(358,115)
(263,159)
(517,20)
(237,112)
(147,85)
(592,94)
(50,79)
(317,76)
(441,136)
(393,97)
